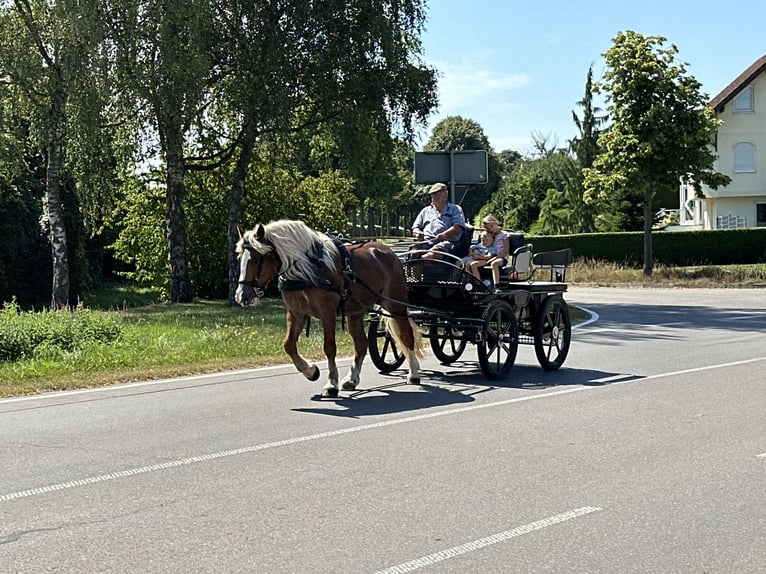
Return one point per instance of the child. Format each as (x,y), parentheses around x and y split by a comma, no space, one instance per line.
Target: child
(485,248)
(496,259)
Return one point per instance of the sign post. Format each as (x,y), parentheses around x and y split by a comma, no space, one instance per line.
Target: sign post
(454,167)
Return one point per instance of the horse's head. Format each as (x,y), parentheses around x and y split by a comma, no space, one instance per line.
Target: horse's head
(258,264)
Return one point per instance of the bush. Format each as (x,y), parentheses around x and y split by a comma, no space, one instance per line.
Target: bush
(712,247)
(22,333)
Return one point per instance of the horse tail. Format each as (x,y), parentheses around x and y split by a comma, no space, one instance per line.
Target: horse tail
(395,325)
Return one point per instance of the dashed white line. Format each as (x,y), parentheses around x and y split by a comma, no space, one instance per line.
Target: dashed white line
(474,545)
(301,439)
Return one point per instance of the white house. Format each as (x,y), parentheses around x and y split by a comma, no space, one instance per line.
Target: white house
(741,148)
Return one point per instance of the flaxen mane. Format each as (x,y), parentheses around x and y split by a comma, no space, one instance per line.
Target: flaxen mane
(299,248)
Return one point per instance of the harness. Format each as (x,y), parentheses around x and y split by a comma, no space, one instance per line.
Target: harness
(316,257)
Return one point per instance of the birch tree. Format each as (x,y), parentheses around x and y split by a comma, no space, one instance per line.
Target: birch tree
(164,58)
(46,48)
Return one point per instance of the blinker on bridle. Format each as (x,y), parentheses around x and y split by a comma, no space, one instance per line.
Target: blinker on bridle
(255,284)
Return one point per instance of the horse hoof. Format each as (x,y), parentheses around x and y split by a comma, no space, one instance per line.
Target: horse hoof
(315,375)
(348,386)
(332,393)
(415,381)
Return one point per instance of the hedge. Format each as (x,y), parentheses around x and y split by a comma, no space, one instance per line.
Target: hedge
(681,248)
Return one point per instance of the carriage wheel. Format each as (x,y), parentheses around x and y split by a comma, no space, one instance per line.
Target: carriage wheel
(446,343)
(552,331)
(384,353)
(499,341)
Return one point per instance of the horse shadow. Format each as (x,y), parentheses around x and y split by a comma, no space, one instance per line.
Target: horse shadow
(387,399)
(457,384)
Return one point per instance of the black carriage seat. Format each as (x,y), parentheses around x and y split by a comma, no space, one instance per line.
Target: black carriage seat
(556,262)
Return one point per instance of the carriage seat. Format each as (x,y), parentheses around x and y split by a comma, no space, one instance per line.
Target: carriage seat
(556,262)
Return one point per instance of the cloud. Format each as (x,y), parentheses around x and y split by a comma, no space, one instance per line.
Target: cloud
(465,86)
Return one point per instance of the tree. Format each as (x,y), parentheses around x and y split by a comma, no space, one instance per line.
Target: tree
(350,66)
(46,52)
(462,134)
(586,150)
(661,127)
(165,65)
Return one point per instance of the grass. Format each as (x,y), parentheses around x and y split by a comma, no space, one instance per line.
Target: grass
(610,274)
(159,340)
(164,340)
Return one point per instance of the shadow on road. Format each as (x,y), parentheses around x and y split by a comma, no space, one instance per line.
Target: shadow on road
(456,384)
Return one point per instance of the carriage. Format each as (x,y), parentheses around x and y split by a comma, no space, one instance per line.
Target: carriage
(453,308)
(322,276)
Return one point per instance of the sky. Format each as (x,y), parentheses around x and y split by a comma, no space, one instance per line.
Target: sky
(518,67)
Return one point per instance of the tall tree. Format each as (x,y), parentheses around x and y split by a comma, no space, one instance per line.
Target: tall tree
(165,64)
(350,65)
(661,126)
(45,51)
(586,150)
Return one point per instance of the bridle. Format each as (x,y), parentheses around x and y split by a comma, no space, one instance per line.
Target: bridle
(259,289)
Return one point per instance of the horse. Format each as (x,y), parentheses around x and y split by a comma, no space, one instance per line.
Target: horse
(321,276)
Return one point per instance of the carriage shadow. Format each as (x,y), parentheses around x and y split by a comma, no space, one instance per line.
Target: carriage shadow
(531,376)
(457,384)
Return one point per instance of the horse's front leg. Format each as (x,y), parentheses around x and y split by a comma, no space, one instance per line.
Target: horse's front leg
(356,330)
(295,324)
(330,350)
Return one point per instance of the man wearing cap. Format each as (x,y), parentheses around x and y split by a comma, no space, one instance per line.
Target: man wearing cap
(439,225)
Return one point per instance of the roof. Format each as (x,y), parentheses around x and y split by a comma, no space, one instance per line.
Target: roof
(740,82)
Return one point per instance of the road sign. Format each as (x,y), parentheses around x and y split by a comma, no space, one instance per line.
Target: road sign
(451,167)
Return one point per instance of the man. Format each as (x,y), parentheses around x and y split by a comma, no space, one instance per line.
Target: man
(438,226)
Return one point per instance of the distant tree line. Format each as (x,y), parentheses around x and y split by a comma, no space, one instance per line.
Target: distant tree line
(136,135)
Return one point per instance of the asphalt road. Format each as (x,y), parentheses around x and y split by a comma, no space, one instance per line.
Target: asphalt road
(645,453)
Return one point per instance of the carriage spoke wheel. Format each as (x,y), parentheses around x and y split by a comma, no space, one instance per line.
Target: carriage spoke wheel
(384,353)
(552,331)
(499,340)
(447,343)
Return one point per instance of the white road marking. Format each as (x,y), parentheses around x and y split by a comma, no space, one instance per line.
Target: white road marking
(339,432)
(761,455)
(593,317)
(474,545)
(122,386)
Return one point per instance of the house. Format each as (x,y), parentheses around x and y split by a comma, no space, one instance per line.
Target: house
(741,148)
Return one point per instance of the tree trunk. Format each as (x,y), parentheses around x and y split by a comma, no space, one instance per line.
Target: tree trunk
(52,206)
(175,220)
(235,208)
(648,221)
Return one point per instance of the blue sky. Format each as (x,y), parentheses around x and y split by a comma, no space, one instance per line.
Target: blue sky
(519,66)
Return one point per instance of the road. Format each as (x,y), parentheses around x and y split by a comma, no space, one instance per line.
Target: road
(645,453)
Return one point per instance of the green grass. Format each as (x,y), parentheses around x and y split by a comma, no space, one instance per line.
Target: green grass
(165,340)
(159,340)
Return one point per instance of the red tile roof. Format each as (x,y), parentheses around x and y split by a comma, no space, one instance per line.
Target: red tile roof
(740,82)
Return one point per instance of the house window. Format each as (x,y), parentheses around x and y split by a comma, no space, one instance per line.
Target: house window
(744,101)
(744,158)
(760,214)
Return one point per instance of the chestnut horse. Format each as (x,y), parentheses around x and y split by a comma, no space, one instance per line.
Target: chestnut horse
(321,277)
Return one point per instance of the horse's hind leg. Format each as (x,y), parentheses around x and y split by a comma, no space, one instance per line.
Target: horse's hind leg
(356,330)
(407,337)
(330,350)
(295,324)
